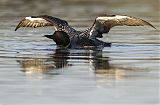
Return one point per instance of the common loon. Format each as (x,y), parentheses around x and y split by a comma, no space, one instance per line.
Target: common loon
(67,37)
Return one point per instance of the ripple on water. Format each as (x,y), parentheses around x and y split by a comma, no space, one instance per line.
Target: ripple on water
(35,71)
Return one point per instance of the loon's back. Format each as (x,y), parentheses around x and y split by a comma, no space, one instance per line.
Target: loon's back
(68,37)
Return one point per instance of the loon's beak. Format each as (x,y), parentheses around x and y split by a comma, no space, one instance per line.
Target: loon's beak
(49,36)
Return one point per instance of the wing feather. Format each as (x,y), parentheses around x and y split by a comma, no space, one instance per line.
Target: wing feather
(27,24)
(33,22)
(103,24)
(120,20)
(41,21)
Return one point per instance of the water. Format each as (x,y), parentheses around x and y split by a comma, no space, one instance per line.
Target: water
(34,72)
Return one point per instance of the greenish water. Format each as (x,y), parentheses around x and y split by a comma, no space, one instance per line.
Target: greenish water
(34,72)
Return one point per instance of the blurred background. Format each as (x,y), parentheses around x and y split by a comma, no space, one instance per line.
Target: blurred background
(82,8)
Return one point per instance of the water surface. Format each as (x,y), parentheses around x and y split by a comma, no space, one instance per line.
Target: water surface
(34,72)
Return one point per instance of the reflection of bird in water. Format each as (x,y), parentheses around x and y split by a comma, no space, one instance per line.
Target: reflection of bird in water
(60,59)
(103,68)
(35,65)
(66,58)
(68,37)
(44,65)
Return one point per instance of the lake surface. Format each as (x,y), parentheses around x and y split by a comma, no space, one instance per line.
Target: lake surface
(34,72)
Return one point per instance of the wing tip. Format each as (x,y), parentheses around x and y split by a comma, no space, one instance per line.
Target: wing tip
(153,26)
(149,24)
(16,29)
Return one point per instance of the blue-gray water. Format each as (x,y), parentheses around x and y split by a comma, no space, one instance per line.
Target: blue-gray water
(34,72)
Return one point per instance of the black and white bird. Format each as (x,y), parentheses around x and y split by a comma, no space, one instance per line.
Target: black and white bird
(67,37)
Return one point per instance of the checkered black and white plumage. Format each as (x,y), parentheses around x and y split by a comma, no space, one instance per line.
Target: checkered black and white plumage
(102,24)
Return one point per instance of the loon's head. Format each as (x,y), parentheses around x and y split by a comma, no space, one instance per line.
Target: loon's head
(61,38)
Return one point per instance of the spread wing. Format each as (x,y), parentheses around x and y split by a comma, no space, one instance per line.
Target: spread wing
(103,24)
(41,21)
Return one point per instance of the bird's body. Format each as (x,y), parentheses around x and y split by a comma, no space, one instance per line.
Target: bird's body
(68,37)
